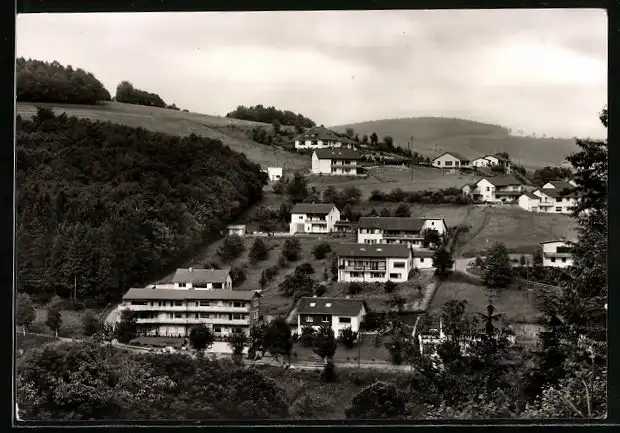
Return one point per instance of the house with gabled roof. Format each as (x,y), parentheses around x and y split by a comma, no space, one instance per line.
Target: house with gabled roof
(337,313)
(202,279)
(451,160)
(319,137)
(496,189)
(373,263)
(336,162)
(313,218)
(493,160)
(560,184)
(557,253)
(556,200)
(397,230)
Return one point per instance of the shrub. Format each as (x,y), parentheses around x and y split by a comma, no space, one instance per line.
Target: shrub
(291,249)
(237,274)
(304,268)
(231,248)
(307,336)
(320,289)
(321,250)
(329,372)
(389,286)
(348,337)
(259,251)
(354,288)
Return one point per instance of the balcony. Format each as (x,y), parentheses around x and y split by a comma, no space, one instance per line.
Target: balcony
(192,321)
(370,268)
(190,308)
(408,236)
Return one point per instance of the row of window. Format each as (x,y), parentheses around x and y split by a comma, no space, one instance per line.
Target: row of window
(224,316)
(203,285)
(232,304)
(393,276)
(326,319)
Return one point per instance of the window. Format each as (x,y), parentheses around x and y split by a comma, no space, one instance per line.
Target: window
(399,264)
(563,259)
(552,259)
(422,260)
(204,315)
(182,284)
(178,303)
(313,304)
(558,209)
(448,163)
(217,285)
(344,319)
(204,303)
(438,162)
(309,319)
(356,274)
(178,315)
(558,200)
(325,318)
(238,304)
(395,276)
(238,317)
(301,217)
(488,189)
(377,275)
(195,315)
(138,302)
(217,329)
(169,316)
(329,304)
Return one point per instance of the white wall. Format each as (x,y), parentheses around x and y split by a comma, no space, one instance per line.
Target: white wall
(486,189)
(320,144)
(423,262)
(321,166)
(558,262)
(441,162)
(436,224)
(302,219)
(528,204)
(480,162)
(274,173)
(369,238)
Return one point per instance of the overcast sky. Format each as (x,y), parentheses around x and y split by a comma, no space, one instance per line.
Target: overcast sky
(543,71)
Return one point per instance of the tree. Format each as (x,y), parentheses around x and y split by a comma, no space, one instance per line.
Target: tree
(259,251)
(265,218)
(389,286)
(350,132)
(347,337)
(522,261)
(538,258)
(388,141)
(276,126)
(237,274)
(381,400)
(498,270)
(297,189)
(352,195)
(201,337)
(237,342)
(278,338)
(257,339)
(231,248)
(291,249)
(333,267)
(354,288)
(126,329)
(25,313)
(364,139)
(397,302)
(54,318)
(432,238)
(402,210)
(442,262)
(321,250)
(374,139)
(385,212)
(324,343)
(297,284)
(307,336)
(90,323)
(457,324)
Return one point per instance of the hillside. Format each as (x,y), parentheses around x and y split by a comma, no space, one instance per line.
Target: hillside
(435,135)
(181,123)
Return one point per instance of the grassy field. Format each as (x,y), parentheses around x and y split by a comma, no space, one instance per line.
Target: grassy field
(433,136)
(367,351)
(519,230)
(454,215)
(229,131)
(387,178)
(513,303)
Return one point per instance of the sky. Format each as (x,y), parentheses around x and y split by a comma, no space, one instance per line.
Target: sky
(540,71)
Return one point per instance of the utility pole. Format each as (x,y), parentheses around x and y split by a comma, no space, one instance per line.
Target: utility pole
(411,154)
(74,288)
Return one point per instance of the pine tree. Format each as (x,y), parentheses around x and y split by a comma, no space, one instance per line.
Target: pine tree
(498,270)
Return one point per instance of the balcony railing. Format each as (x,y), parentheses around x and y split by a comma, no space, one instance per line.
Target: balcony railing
(363,268)
(192,321)
(191,308)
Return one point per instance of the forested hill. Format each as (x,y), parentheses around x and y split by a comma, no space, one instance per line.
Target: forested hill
(114,206)
(262,114)
(52,82)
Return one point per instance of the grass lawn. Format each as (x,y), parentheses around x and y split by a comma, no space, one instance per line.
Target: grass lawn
(519,230)
(367,351)
(71,322)
(513,303)
(387,178)
(454,215)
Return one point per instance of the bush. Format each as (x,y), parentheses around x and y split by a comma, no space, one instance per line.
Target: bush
(237,274)
(354,288)
(321,250)
(389,286)
(348,338)
(320,289)
(259,251)
(307,336)
(291,249)
(304,268)
(232,248)
(329,372)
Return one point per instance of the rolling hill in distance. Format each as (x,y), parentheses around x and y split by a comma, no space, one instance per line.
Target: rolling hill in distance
(435,135)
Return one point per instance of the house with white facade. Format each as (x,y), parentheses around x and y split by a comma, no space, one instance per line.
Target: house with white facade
(338,313)
(423,258)
(202,279)
(313,218)
(557,254)
(336,162)
(496,189)
(319,137)
(529,201)
(397,230)
(493,160)
(236,229)
(374,263)
(554,200)
(173,312)
(450,160)
(274,173)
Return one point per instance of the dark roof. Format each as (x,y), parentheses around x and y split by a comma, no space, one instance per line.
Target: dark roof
(319,133)
(561,184)
(530,195)
(188,294)
(316,208)
(422,253)
(456,155)
(558,193)
(391,223)
(376,250)
(499,158)
(556,240)
(200,276)
(502,180)
(337,306)
(337,153)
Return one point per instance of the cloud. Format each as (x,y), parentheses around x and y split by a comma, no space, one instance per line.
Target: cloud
(543,71)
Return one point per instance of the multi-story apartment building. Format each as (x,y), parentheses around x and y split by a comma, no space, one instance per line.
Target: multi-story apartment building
(557,254)
(313,218)
(397,230)
(172,312)
(374,263)
(336,162)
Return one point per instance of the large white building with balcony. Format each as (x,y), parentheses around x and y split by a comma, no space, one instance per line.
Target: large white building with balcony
(171,312)
(336,162)
(397,230)
(337,313)
(374,263)
(557,254)
(313,218)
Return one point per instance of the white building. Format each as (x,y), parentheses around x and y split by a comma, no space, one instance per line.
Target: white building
(274,173)
(236,229)
(338,313)
(553,200)
(495,189)
(397,230)
(450,160)
(173,312)
(529,202)
(557,254)
(314,218)
(319,137)
(336,162)
(373,263)
(423,259)
(493,160)
(560,185)
(202,279)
